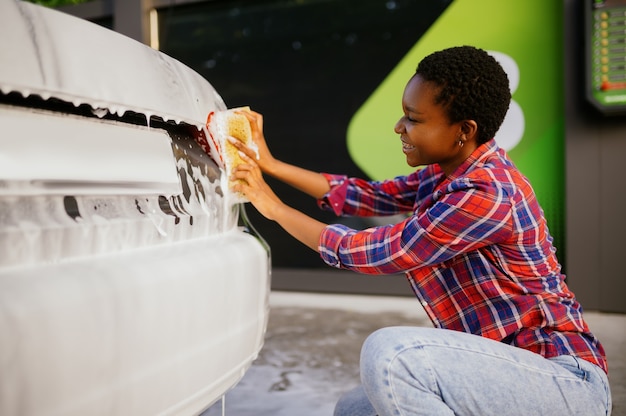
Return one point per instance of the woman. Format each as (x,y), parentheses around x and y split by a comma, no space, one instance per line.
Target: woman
(509,336)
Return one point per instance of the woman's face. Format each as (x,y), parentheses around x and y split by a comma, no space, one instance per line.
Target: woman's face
(425,131)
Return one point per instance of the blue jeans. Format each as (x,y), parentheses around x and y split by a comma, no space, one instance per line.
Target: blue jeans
(427,371)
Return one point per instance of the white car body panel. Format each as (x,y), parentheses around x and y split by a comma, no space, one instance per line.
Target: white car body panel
(128,285)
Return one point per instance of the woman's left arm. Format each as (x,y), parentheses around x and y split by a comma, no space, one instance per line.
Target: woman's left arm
(248,179)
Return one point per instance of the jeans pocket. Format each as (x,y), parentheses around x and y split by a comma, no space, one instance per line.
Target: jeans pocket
(570,363)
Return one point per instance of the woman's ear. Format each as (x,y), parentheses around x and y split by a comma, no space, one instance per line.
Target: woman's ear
(469,128)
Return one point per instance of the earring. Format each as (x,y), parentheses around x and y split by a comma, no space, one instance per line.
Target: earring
(461,143)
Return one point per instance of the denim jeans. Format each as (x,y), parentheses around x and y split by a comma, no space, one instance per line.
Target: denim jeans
(428,371)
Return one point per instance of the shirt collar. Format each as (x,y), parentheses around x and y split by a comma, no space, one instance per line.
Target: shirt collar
(477,156)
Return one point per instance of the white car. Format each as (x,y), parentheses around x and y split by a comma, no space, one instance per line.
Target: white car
(130,283)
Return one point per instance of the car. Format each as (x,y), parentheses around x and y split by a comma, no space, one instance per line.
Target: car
(130,282)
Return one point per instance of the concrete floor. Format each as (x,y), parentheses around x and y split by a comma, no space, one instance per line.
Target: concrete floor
(312,345)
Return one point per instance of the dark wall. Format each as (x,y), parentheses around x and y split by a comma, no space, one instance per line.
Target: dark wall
(595,183)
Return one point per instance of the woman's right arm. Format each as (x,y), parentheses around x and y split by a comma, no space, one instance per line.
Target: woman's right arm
(307,181)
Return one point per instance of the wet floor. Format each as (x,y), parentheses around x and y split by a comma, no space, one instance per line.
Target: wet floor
(312,346)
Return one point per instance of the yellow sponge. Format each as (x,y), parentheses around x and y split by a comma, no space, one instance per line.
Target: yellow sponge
(222,124)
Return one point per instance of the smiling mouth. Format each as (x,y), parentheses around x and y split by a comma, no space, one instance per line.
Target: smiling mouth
(407,147)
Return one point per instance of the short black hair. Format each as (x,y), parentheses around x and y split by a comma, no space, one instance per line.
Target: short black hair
(473,86)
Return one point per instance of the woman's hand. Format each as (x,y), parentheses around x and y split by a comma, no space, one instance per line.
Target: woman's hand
(248,179)
(265,159)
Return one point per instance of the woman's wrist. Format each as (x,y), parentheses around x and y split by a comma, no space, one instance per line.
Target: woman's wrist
(272,167)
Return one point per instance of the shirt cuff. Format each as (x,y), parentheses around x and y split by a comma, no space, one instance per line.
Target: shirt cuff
(330,240)
(336,197)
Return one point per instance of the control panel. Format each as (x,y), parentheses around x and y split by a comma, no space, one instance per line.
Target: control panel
(605,22)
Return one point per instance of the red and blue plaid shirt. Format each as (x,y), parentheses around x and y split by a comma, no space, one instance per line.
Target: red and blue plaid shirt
(476,250)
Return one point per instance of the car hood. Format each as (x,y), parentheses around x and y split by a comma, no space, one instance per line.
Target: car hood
(54,55)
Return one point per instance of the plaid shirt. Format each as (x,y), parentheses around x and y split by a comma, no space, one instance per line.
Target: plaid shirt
(475,248)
